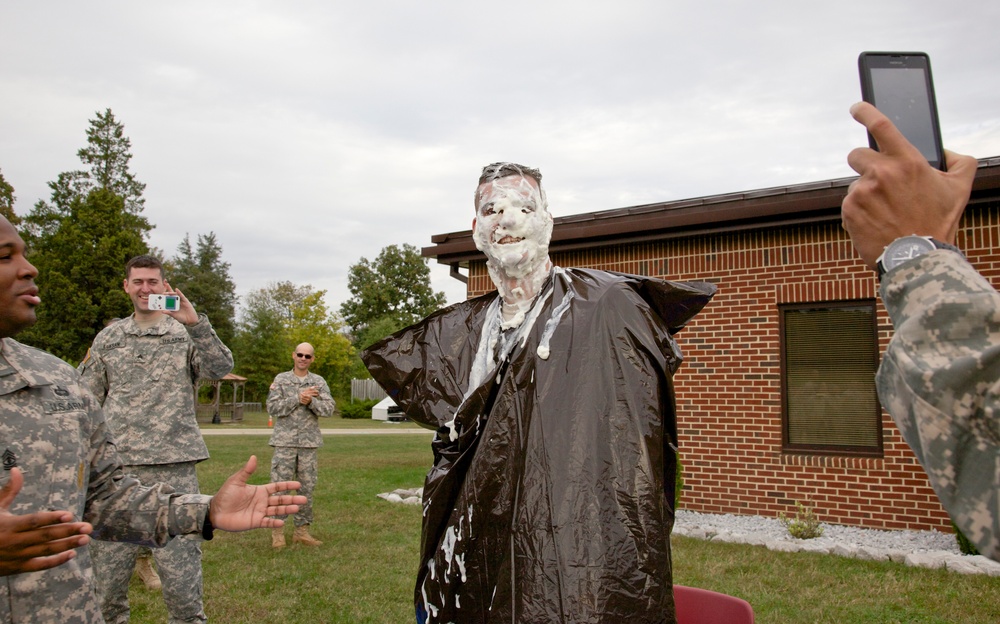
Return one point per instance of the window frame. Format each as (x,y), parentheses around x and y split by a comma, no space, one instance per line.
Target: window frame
(829,449)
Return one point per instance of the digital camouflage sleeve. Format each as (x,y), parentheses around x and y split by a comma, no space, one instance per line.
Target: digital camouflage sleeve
(940,381)
(145,380)
(52,428)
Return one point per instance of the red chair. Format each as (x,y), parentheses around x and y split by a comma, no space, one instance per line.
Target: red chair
(701,606)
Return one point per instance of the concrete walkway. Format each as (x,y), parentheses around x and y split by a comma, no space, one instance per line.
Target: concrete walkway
(382,431)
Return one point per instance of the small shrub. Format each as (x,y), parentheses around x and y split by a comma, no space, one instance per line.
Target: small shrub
(357,409)
(964,545)
(805,524)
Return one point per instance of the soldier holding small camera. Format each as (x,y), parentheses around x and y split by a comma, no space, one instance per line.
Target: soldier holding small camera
(144,370)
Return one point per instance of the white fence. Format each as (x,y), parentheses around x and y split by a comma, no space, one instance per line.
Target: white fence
(366,389)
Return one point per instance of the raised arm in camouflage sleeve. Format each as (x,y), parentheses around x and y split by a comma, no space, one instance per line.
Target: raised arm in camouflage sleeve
(212,358)
(940,381)
(122,510)
(145,379)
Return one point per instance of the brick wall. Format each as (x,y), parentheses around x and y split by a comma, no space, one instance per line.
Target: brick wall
(729,387)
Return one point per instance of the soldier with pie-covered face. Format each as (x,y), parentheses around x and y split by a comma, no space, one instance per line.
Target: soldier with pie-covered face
(551,496)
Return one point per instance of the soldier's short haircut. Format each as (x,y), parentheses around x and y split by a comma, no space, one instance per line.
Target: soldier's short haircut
(143,262)
(498,170)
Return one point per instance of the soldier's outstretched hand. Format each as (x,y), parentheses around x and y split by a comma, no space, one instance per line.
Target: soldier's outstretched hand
(241,507)
(36,541)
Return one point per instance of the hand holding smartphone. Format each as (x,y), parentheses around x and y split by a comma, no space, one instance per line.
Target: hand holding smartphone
(900,85)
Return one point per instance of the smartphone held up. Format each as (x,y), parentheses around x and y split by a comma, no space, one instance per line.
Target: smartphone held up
(900,85)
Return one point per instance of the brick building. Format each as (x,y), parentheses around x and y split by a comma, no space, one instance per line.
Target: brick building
(776,398)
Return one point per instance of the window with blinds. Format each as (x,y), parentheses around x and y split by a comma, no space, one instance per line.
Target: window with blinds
(829,357)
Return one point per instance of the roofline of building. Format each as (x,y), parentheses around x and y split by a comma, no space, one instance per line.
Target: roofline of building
(814,202)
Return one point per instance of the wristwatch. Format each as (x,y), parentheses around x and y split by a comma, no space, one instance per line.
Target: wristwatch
(907,248)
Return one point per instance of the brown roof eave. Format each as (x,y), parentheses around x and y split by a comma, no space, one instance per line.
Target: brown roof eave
(804,203)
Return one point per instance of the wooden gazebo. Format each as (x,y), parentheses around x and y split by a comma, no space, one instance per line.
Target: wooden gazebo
(215,410)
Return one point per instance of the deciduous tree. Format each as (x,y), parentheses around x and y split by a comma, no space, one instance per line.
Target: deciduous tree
(276,318)
(261,346)
(396,286)
(312,322)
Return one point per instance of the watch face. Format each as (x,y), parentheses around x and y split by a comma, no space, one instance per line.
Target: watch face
(905,248)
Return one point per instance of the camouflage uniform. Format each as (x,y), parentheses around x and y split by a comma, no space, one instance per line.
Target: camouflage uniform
(938,379)
(146,381)
(54,431)
(296,434)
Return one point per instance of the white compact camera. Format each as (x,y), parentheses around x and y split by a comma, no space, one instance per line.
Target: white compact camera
(169,303)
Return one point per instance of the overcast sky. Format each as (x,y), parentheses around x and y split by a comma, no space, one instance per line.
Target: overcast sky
(310,134)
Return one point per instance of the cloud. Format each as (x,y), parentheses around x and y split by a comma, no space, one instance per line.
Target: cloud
(307,135)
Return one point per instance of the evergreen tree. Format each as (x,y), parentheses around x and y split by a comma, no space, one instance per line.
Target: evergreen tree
(81,272)
(396,286)
(81,240)
(107,154)
(204,279)
(7,201)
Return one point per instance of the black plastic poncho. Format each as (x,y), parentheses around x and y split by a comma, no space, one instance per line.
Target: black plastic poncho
(551,495)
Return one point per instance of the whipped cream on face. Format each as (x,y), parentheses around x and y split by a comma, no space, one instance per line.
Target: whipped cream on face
(513,228)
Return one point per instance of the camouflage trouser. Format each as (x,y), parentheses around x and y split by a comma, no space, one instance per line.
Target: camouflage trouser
(290,463)
(179,562)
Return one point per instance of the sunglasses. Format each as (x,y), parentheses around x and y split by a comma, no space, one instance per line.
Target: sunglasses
(304,356)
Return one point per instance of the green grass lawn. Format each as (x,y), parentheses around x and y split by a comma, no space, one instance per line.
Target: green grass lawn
(257,420)
(365,568)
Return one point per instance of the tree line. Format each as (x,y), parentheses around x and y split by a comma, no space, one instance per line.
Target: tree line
(93,223)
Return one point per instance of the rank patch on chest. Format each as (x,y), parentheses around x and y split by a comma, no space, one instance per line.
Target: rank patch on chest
(9,459)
